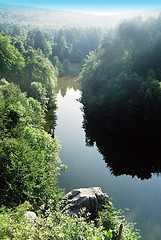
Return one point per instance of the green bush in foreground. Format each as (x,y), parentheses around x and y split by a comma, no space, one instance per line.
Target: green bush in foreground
(55,225)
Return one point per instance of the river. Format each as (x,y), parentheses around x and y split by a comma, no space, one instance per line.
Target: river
(86,168)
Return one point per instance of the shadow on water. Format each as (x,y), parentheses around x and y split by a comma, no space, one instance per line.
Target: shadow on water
(135,156)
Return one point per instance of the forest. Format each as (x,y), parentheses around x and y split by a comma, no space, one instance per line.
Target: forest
(121,94)
(121,81)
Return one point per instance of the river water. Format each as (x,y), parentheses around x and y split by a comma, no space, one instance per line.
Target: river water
(86,168)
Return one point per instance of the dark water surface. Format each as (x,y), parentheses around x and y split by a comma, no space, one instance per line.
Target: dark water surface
(87,168)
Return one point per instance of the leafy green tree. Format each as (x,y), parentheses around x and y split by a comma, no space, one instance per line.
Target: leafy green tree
(18,111)
(29,168)
(56,63)
(60,49)
(18,43)
(38,92)
(29,156)
(29,42)
(11,60)
(40,43)
(40,69)
(65,68)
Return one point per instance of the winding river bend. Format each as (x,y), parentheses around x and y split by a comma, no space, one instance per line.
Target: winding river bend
(87,168)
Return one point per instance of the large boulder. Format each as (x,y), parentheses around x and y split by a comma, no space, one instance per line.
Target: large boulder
(91,200)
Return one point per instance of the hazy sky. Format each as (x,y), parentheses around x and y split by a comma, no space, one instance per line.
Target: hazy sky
(96,5)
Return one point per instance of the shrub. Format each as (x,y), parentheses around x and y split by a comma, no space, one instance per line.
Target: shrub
(53,226)
(111,219)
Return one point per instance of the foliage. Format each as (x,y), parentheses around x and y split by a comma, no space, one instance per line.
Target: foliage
(39,69)
(64,71)
(38,92)
(11,60)
(14,225)
(120,82)
(17,111)
(40,43)
(29,168)
(55,225)
(29,156)
(22,64)
(75,43)
(109,218)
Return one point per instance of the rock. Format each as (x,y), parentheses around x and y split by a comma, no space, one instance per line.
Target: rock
(91,199)
(31,216)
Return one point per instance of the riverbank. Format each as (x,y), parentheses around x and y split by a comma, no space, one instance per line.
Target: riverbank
(48,224)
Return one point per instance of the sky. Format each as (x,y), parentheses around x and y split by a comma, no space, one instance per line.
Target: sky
(89,5)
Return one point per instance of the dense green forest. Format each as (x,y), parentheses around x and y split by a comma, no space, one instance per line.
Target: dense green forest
(121,81)
(121,96)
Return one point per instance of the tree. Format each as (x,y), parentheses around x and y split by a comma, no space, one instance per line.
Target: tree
(40,69)
(18,111)
(11,60)
(65,67)
(120,84)
(40,43)
(29,156)
(38,92)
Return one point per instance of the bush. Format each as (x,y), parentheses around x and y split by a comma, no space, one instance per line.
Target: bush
(111,219)
(29,156)
(54,226)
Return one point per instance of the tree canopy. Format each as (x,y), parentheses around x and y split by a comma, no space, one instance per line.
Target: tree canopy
(11,60)
(29,156)
(120,81)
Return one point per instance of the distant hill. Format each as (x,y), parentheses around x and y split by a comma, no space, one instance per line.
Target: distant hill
(56,19)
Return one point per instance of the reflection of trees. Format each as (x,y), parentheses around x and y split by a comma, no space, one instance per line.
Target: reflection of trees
(135,156)
(65,83)
(50,121)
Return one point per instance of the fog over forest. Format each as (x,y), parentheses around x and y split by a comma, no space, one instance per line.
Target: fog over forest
(53,18)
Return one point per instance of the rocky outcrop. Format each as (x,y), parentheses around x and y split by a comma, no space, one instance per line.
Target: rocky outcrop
(91,199)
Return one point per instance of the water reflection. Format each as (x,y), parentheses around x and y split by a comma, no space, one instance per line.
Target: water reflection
(135,156)
(50,121)
(65,83)
(86,168)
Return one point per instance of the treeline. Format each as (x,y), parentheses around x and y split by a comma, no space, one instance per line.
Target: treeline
(27,87)
(121,81)
(62,47)
(75,43)
(29,68)
(49,18)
